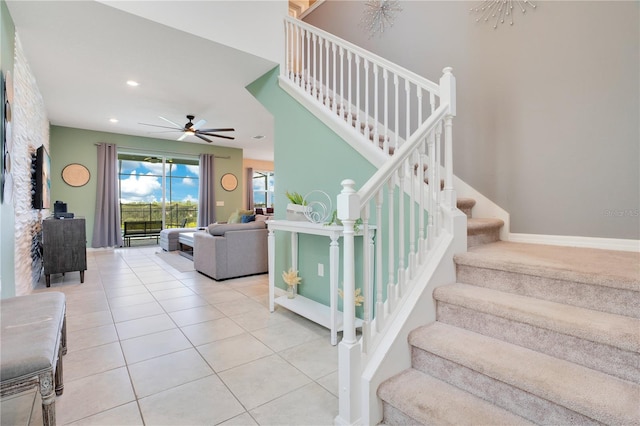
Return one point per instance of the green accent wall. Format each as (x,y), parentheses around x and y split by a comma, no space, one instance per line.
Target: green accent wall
(308,155)
(7,224)
(69,145)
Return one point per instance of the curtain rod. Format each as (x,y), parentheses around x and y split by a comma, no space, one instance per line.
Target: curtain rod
(150,151)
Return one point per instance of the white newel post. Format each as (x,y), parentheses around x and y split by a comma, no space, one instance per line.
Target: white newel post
(349,353)
(448,96)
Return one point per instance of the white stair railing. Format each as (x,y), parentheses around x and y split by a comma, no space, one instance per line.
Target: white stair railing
(405,212)
(370,93)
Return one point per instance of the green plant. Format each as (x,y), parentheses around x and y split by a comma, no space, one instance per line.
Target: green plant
(295,198)
(335,221)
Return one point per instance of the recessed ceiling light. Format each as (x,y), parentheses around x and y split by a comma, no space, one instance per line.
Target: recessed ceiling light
(113,120)
(259,137)
(133,83)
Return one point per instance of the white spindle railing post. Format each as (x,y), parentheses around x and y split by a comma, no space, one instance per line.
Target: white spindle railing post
(376,139)
(448,95)
(378,263)
(391,284)
(401,228)
(412,215)
(366,99)
(396,106)
(349,355)
(358,118)
(335,88)
(385,142)
(367,280)
(314,69)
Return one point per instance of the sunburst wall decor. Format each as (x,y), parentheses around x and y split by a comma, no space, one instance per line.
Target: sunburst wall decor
(499,11)
(379,15)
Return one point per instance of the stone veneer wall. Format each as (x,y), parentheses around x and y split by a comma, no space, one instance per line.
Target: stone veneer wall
(30,129)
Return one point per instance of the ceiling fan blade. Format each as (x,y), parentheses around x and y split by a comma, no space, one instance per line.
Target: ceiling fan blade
(184,135)
(202,137)
(214,135)
(170,122)
(177,129)
(217,130)
(198,124)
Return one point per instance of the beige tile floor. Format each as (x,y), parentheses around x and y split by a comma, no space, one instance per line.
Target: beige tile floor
(154,344)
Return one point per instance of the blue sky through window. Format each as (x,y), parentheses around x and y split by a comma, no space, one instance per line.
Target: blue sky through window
(141,181)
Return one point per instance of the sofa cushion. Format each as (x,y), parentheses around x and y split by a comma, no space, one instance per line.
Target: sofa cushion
(237,215)
(218,229)
(246,218)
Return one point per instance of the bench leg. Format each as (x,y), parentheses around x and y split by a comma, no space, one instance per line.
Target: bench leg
(63,338)
(59,380)
(48,399)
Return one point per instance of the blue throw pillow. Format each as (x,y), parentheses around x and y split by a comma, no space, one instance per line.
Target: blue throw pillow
(248,218)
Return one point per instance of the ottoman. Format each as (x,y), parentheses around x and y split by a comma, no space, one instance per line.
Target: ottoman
(169,237)
(33,339)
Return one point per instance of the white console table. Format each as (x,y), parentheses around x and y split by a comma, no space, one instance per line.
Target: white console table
(327,316)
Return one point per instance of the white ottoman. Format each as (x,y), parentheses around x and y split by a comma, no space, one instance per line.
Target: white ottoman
(169,237)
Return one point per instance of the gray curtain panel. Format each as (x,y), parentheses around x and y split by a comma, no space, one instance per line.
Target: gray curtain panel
(106,226)
(206,195)
(249,187)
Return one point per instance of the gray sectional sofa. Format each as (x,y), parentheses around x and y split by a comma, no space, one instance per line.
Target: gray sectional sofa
(224,251)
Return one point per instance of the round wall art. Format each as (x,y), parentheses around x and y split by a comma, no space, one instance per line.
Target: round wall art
(75,175)
(229,182)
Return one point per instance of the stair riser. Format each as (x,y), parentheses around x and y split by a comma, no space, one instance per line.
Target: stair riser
(599,298)
(499,393)
(393,416)
(597,356)
(486,238)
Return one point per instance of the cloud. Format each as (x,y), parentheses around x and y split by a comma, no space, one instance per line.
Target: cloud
(140,188)
(189,181)
(194,169)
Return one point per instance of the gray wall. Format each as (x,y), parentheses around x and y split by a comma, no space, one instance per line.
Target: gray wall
(548,108)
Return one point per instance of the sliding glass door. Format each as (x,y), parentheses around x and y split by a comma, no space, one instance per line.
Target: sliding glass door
(158,187)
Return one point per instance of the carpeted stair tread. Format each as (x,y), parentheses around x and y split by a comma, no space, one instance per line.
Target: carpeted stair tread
(594,394)
(427,400)
(465,203)
(477,226)
(615,269)
(610,329)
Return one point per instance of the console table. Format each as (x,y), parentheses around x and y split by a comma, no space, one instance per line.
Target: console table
(64,247)
(327,316)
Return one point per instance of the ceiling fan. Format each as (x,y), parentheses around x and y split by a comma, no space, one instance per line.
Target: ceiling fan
(193,129)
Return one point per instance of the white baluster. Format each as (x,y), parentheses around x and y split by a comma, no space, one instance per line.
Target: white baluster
(327,91)
(320,89)
(401,216)
(436,182)
(350,89)
(365,131)
(431,233)
(341,112)
(380,319)
(376,139)
(307,73)
(396,106)
(407,93)
(357,125)
(385,143)
(391,283)
(335,88)
(432,102)
(298,46)
(422,237)
(367,281)
(314,68)
(412,214)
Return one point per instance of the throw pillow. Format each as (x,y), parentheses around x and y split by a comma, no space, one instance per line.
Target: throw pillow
(234,218)
(248,218)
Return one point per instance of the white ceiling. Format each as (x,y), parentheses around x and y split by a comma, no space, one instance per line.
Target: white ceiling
(83,52)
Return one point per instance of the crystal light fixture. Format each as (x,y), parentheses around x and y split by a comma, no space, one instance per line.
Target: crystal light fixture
(379,15)
(497,11)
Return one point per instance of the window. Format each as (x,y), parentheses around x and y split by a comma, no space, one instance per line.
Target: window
(158,188)
(263,189)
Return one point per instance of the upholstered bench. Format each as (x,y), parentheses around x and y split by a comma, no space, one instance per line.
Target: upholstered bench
(169,237)
(33,339)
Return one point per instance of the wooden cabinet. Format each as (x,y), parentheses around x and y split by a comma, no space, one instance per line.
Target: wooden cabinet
(64,247)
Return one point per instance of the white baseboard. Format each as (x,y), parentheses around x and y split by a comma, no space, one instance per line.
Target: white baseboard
(572,241)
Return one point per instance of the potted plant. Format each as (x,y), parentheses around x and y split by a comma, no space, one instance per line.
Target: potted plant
(291,279)
(297,206)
